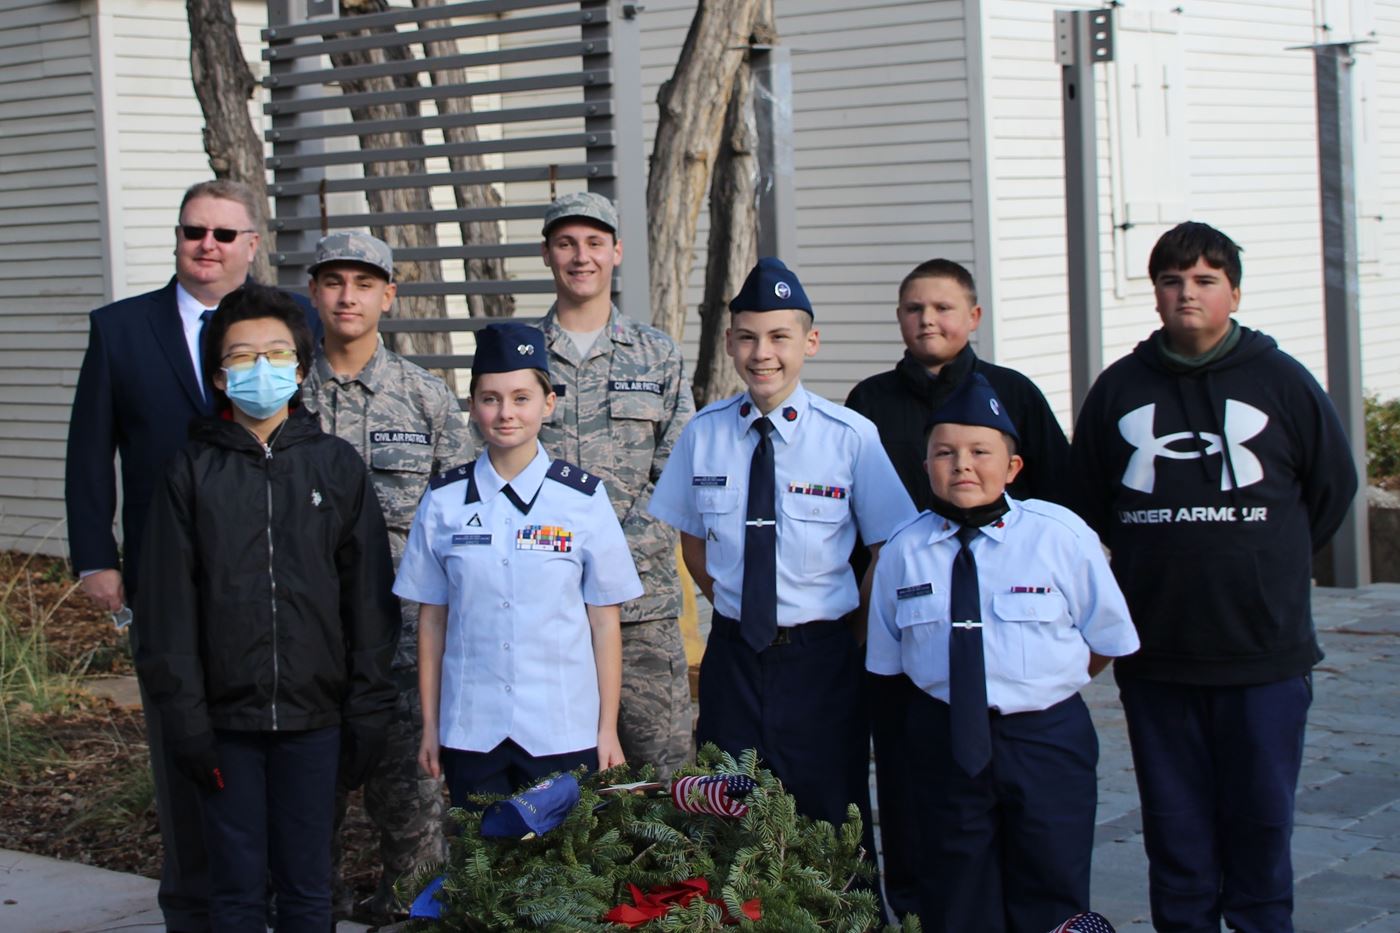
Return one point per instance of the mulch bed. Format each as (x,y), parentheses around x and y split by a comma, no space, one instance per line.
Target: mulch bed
(75,783)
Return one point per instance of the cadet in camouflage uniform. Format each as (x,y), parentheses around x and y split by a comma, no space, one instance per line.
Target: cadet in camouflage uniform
(407,426)
(623,400)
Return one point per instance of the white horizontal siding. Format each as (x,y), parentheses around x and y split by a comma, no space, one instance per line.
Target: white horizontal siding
(882,162)
(157,128)
(51,269)
(1252,171)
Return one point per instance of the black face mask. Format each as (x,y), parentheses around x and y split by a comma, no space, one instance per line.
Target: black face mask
(975,517)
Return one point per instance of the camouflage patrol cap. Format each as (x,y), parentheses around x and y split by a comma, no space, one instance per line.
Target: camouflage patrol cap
(585,205)
(354,246)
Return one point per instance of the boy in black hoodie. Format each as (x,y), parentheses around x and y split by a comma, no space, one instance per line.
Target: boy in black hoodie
(1213,466)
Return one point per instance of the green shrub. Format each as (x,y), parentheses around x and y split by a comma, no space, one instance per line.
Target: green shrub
(27,684)
(1382,438)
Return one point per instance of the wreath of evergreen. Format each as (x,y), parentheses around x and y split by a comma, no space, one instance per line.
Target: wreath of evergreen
(805,874)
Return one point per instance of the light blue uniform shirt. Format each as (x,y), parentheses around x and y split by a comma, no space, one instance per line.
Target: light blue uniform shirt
(1047,597)
(833,478)
(518,660)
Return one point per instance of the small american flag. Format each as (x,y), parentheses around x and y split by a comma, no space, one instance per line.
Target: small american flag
(1087,922)
(720,794)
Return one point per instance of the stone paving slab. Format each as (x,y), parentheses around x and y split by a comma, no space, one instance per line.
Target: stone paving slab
(1346,847)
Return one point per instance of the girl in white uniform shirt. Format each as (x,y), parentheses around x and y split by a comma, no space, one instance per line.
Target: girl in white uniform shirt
(521,566)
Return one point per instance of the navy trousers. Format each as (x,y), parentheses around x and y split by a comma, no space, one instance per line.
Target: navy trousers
(800,703)
(1217,770)
(896,787)
(274,813)
(1007,851)
(505,769)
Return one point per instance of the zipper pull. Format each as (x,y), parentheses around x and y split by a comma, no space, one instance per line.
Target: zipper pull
(267,451)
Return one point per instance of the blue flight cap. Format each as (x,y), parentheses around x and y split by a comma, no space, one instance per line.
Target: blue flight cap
(537,810)
(426,904)
(508,346)
(771,286)
(973,402)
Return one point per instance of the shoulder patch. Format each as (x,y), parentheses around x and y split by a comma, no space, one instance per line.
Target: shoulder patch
(562,471)
(453,475)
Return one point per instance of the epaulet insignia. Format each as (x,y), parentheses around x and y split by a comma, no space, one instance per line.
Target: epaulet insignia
(452,475)
(562,471)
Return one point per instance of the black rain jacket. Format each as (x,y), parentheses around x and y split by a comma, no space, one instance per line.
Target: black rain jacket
(265,601)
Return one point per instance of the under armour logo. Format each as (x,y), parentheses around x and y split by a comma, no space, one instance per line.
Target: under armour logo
(525,349)
(1242,422)
(782,290)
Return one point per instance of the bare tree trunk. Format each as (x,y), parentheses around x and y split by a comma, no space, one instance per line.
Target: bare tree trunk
(397,199)
(224,84)
(470,196)
(691,119)
(733,243)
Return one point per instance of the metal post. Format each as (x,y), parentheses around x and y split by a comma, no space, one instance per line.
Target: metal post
(287,13)
(629,188)
(1082,39)
(772,100)
(1351,552)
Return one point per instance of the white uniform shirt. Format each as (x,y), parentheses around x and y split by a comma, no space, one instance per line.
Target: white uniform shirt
(1047,598)
(833,478)
(518,660)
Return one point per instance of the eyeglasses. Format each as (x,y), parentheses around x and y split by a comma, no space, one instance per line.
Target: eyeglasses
(221,234)
(241,360)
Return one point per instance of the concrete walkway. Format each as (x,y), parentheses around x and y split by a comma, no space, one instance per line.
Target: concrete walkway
(44,895)
(1346,848)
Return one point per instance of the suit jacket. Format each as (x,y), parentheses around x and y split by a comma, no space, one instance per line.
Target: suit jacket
(136,395)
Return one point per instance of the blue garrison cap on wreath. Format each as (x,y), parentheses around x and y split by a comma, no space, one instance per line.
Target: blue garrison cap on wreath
(771,286)
(537,810)
(506,347)
(973,402)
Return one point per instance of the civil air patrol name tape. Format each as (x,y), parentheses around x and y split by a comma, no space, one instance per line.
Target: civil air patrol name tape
(424,438)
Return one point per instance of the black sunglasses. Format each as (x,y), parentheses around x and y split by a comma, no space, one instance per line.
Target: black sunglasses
(221,234)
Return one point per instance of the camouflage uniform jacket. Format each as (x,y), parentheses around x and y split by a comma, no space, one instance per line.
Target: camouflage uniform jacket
(406,425)
(619,413)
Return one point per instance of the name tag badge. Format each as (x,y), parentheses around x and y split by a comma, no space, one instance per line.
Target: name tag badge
(544,538)
(465,540)
(423,438)
(709,481)
(910,592)
(637,385)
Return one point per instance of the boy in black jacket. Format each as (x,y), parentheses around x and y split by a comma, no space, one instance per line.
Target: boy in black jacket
(937,314)
(1213,466)
(265,623)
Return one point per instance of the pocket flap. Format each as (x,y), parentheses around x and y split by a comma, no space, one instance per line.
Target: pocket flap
(806,508)
(406,458)
(636,406)
(1029,607)
(716,498)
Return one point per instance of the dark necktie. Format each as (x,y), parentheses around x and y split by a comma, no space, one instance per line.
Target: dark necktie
(204,317)
(518,502)
(758,609)
(967,672)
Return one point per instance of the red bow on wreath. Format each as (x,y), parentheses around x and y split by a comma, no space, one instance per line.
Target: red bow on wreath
(661,899)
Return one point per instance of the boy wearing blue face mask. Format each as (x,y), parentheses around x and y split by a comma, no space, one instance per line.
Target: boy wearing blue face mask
(265,624)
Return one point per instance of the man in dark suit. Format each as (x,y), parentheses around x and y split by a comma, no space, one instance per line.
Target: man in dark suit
(139,387)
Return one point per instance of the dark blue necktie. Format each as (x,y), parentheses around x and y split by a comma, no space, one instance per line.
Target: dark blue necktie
(204,317)
(758,608)
(967,672)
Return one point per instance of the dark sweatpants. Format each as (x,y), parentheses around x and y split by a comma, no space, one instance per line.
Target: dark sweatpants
(275,815)
(1217,770)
